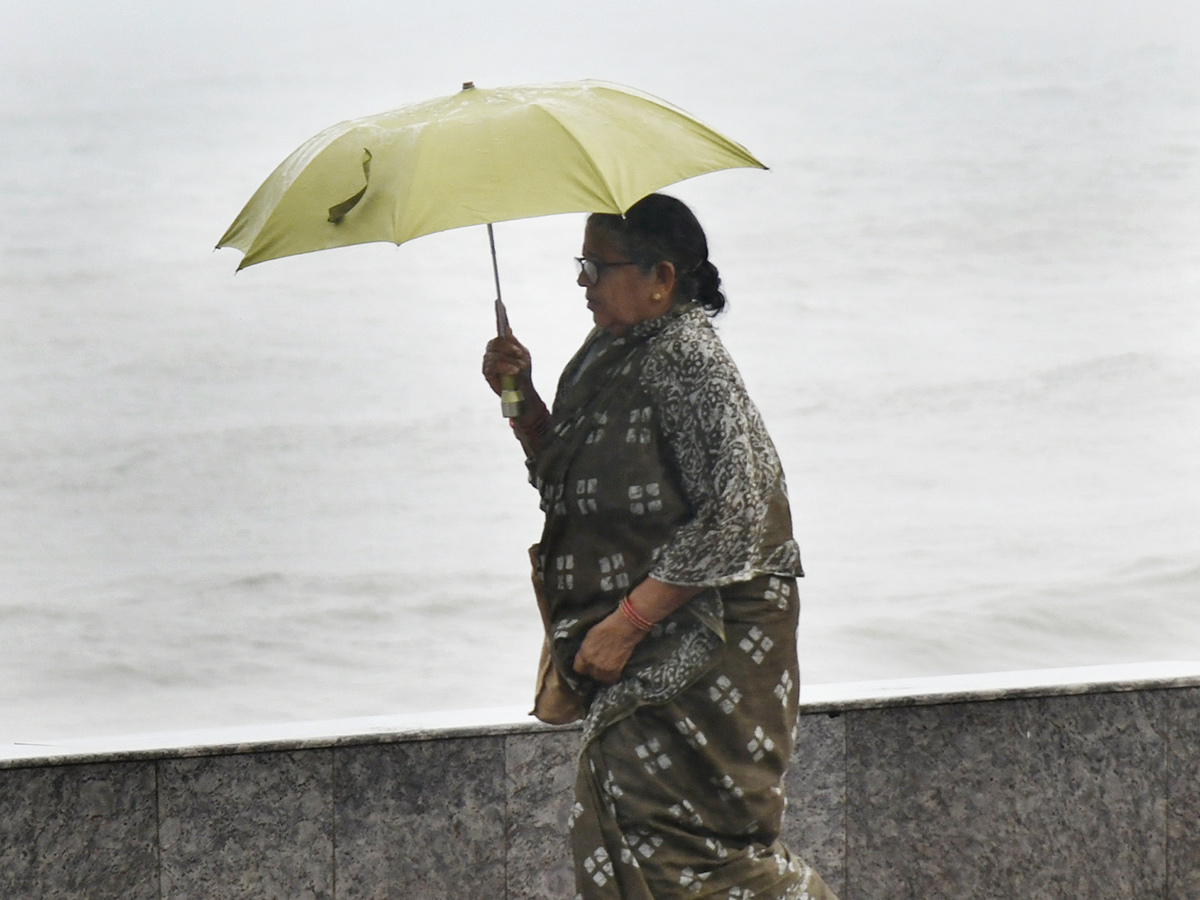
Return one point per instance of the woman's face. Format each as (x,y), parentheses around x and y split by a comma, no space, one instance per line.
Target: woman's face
(623,295)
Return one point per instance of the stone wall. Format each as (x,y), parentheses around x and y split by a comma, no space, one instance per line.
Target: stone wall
(1067,788)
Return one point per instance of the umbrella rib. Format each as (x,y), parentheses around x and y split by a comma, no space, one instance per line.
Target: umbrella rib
(585,153)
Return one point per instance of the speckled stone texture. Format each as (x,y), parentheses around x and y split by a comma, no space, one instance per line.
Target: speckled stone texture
(78,833)
(1058,798)
(423,819)
(1183,815)
(815,824)
(1092,796)
(258,825)
(541,786)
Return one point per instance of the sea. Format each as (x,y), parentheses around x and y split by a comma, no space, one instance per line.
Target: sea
(965,296)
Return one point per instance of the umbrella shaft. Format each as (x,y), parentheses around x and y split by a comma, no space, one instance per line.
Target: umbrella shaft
(512,402)
(495,266)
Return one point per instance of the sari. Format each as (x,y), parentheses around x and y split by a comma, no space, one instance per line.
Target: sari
(657,464)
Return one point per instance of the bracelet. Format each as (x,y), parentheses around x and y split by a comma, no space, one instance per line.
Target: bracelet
(636,619)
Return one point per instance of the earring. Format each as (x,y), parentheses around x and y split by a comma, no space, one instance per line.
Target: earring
(657,296)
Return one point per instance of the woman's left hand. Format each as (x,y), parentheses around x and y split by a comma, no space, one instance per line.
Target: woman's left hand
(606,648)
(609,643)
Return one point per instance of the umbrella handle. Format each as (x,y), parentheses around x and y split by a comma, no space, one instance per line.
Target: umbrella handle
(512,402)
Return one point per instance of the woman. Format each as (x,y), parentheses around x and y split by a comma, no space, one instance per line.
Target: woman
(669,577)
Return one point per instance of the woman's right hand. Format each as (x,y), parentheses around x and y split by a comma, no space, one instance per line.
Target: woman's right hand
(507,356)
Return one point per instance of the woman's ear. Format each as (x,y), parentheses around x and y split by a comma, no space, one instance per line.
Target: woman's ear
(664,278)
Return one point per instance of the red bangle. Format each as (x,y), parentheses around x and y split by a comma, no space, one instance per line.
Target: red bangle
(635,618)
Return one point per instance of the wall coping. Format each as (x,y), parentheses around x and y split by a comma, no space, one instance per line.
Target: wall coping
(498,721)
(990,686)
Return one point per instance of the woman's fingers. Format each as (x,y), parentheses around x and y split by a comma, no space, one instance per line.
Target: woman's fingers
(508,353)
(509,344)
(603,674)
(606,649)
(505,356)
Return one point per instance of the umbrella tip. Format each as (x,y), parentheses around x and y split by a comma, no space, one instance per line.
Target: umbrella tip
(468,86)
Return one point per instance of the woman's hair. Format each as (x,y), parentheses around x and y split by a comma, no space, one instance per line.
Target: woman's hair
(658,229)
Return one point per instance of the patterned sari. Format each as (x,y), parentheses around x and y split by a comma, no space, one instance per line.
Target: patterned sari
(658,464)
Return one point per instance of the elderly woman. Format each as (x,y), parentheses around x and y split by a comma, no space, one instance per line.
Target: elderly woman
(668,572)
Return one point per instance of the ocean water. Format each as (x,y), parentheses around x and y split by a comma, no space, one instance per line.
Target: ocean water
(966,297)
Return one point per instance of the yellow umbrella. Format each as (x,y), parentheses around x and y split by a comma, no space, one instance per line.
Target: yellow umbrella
(473,158)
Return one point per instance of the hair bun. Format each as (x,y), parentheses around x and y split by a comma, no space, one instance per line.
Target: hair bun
(708,291)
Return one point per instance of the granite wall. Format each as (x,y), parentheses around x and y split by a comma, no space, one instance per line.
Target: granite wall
(1092,795)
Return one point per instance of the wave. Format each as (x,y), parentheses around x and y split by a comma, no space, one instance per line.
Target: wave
(1142,611)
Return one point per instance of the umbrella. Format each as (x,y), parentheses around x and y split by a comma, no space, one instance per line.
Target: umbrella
(476,157)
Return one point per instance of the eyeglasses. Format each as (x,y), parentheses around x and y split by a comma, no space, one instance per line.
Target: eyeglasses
(592,269)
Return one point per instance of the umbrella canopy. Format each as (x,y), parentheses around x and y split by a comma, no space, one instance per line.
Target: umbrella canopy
(476,157)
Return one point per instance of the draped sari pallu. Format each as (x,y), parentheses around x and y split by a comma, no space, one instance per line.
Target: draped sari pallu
(658,464)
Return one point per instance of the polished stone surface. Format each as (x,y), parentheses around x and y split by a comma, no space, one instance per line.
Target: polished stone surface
(815,824)
(1059,797)
(1183,813)
(255,826)
(986,787)
(541,784)
(421,819)
(78,833)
